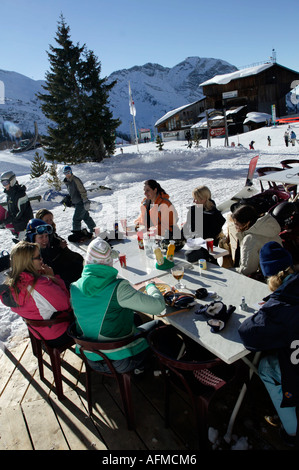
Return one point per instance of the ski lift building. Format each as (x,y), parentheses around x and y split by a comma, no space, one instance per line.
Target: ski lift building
(174,124)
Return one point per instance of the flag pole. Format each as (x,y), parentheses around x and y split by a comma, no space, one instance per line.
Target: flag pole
(133,112)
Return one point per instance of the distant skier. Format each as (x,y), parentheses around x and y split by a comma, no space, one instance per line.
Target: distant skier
(251,145)
(293,138)
(269,140)
(286,138)
(79,199)
(19,210)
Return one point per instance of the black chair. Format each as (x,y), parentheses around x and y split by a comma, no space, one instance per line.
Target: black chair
(39,343)
(192,368)
(287,163)
(123,379)
(267,170)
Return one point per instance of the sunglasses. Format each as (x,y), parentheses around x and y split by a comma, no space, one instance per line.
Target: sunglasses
(5,182)
(41,229)
(37,257)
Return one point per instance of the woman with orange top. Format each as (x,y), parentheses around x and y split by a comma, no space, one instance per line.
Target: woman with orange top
(157,211)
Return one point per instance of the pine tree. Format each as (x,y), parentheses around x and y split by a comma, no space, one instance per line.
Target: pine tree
(38,166)
(53,180)
(76,101)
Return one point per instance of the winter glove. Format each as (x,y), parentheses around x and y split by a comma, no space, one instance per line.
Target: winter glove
(86,205)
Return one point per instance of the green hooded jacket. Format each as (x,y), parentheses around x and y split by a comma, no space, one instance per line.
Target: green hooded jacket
(104,308)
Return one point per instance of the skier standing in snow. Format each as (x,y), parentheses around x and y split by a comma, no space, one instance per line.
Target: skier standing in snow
(19,210)
(79,199)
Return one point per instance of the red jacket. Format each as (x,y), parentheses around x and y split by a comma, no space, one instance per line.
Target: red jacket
(46,298)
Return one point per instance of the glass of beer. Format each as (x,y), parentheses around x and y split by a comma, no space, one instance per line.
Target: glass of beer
(178,274)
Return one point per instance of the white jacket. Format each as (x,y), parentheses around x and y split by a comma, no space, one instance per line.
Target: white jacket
(266,229)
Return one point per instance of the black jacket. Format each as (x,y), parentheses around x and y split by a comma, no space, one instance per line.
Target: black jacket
(18,207)
(212,223)
(276,327)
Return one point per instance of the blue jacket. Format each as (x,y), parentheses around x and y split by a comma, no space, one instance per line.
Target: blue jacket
(276,327)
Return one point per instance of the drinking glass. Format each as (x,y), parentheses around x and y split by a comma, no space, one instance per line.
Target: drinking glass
(178,274)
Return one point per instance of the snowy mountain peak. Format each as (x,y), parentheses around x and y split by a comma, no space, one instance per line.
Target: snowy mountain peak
(155,89)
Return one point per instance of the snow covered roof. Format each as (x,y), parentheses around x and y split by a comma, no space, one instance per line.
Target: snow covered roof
(172,113)
(228,77)
(257,117)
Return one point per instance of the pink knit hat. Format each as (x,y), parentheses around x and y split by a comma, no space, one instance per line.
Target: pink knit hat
(100,252)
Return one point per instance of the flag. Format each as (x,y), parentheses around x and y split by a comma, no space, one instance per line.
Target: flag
(131,103)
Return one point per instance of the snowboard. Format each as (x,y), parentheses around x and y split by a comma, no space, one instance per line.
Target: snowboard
(245,192)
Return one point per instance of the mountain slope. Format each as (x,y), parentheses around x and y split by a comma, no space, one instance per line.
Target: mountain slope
(156,90)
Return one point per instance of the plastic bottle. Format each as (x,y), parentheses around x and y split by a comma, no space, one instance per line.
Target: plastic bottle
(140,240)
(158,255)
(170,250)
(243,305)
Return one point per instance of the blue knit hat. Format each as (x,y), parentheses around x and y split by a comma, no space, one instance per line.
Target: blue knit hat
(67,169)
(274,258)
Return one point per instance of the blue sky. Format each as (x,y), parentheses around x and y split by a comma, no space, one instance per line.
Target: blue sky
(124,33)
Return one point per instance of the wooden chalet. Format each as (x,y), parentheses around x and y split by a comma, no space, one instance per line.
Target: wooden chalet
(174,124)
(256,88)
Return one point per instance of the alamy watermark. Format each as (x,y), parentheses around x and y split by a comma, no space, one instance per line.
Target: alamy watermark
(2,92)
(294,96)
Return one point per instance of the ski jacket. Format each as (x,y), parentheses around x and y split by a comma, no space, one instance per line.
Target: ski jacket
(265,229)
(162,214)
(41,303)
(203,223)
(18,207)
(276,327)
(104,308)
(76,189)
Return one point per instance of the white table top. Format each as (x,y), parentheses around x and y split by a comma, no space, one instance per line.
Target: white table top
(288,176)
(231,286)
(141,267)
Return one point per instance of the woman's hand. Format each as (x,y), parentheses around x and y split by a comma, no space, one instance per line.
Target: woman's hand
(63,244)
(46,270)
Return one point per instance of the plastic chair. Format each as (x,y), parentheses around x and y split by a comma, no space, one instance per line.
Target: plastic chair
(287,163)
(268,170)
(123,379)
(282,187)
(190,367)
(39,343)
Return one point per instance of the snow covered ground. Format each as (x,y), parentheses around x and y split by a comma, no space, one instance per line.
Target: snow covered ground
(178,169)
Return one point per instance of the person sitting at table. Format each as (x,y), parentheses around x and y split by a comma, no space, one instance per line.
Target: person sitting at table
(157,211)
(68,264)
(203,219)
(249,234)
(104,307)
(33,291)
(274,329)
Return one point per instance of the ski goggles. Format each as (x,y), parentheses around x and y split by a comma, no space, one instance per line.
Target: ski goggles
(5,182)
(41,229)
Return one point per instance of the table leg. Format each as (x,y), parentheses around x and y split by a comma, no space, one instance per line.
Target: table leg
(231,423)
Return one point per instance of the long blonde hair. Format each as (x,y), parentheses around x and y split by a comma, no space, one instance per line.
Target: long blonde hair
(203,192)
(21,259)
(275,281)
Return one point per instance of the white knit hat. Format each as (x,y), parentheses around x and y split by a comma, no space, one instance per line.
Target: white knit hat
(100,252)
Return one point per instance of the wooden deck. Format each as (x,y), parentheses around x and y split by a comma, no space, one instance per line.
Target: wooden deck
(32,418)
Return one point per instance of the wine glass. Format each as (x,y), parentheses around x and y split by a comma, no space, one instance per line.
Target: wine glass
(178,274)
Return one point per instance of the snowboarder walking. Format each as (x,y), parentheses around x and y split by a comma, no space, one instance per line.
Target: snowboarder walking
(79,199)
